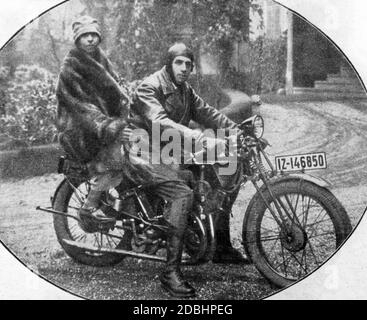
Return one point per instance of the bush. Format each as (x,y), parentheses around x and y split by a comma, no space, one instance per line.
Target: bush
(30,106)
(4,79)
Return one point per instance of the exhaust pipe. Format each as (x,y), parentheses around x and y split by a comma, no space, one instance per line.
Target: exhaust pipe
(83,246)
(133,254)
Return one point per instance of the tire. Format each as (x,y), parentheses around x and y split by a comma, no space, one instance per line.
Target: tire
(285,256)
(67,228)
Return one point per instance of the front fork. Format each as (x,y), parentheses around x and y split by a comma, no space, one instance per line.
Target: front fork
(282,214)
(211,237)
(207,218)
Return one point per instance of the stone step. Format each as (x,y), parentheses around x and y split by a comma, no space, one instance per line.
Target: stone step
(310,89)
(330,93)
(323,85)
(339,79)
(340,75)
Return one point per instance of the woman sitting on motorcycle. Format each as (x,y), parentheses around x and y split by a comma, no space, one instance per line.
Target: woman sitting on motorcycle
(92,112)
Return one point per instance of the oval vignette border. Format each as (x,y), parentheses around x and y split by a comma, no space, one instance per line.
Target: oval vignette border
(356,266)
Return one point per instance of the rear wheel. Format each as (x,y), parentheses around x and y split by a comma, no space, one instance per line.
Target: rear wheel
(69,200)
(313,226)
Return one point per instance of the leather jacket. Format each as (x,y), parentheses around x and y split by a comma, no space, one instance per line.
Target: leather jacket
(158,99)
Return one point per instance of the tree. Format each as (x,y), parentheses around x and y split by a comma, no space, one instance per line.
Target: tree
(143,29)
(45,41)
(220,27)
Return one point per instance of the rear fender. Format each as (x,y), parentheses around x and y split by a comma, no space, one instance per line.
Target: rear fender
(61,184)
(57,191)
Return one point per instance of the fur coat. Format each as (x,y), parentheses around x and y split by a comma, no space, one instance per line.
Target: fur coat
(92,107)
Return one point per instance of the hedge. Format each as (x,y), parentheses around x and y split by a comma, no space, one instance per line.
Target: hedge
(29,162)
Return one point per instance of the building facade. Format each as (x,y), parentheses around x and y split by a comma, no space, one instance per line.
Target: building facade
(314,63)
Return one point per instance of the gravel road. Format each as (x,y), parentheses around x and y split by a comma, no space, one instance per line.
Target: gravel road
(337,128)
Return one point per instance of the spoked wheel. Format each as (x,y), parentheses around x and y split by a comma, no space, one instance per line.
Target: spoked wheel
(313,226)
(69,200)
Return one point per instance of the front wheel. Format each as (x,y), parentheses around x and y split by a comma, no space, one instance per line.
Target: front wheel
(302,227)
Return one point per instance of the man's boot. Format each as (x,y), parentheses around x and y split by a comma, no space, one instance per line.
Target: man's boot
(225,253)
(172,278)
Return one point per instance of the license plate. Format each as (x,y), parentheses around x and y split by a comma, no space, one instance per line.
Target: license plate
(309,161)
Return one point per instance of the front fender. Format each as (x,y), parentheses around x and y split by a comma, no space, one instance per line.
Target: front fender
(300,176)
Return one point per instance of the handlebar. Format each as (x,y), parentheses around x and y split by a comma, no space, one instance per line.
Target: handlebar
(222,158)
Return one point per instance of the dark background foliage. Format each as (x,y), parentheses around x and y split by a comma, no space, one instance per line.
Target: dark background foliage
(135,36)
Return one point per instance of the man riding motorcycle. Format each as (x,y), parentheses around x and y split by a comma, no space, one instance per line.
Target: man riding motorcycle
(166,99)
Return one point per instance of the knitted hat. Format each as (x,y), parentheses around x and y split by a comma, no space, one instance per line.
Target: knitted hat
(85,24)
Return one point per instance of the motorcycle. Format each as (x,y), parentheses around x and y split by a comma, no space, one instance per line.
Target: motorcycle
(290,227)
